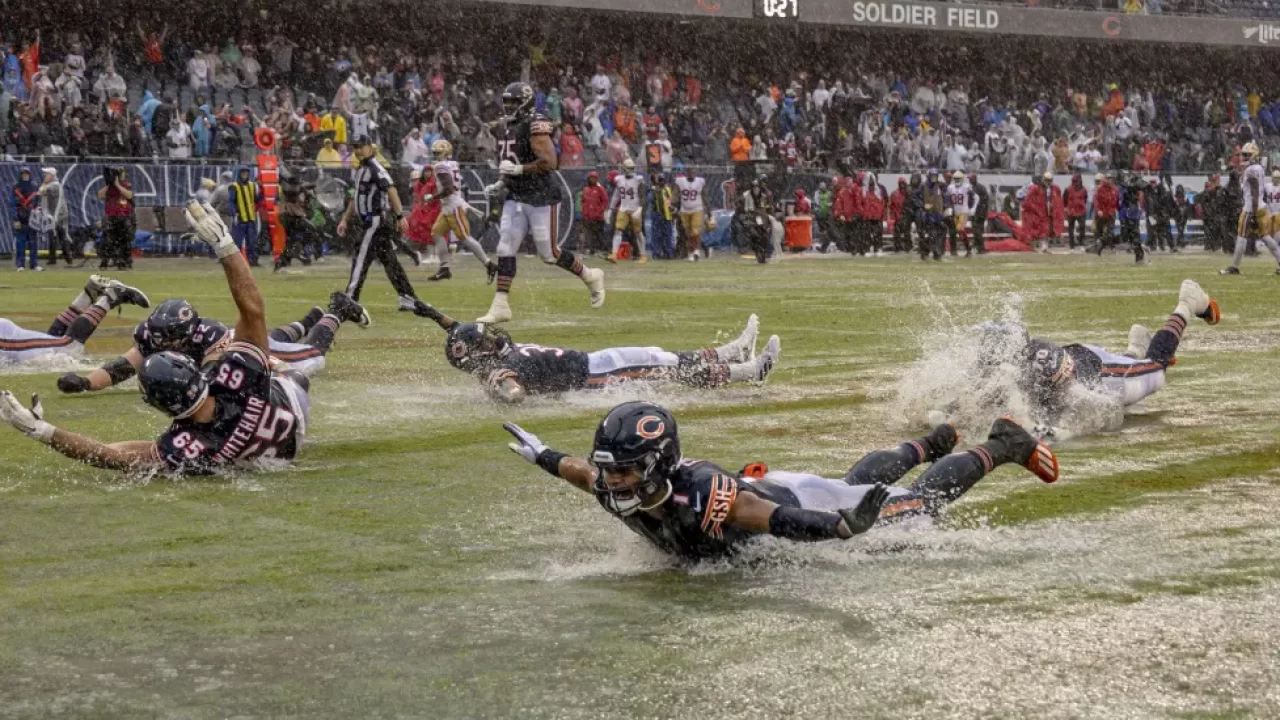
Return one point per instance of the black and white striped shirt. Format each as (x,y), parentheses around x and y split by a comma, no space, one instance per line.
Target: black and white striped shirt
(372,182)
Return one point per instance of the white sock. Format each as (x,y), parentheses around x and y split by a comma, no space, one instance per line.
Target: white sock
(476,249)
(443,252)
(641,244)
(743,372)
(82,302)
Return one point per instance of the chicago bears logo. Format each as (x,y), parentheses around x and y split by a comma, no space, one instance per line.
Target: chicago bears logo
(185,313)
(458,349)
(650,427)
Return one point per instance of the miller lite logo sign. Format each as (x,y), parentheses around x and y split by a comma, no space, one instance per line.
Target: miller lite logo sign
(1264,33)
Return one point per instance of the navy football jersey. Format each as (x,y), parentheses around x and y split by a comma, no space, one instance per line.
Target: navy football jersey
(694,518)
(516,145)
(252,418)
(210,336)
(542,369)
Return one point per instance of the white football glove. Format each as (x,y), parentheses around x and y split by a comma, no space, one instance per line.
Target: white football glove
(208,226)
(528,446)
(492,190)
(507,167)
(28,421)
(948,212)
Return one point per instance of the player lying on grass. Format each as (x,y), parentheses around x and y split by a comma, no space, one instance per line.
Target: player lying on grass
(697,510)
(176,326)
(73,326)
(512,371)
(232,412)
(1051,370)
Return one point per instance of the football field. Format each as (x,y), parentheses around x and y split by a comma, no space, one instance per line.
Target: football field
(409,565)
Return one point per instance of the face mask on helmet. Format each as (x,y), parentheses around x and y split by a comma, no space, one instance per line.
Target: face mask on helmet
(173,384)
(475,346)
(172,324)
(638,441)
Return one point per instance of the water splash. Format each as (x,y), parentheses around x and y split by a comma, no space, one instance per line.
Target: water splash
(969,375)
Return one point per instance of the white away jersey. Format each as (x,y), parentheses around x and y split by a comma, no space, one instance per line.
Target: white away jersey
(1271,198)
(690,194)
(630,192)
(1254,173)
(449,168)
(958,198)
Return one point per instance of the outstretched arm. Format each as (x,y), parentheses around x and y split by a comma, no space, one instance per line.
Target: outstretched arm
(113,373)
(575,471)
(133,455)
(426,310)
(208,226)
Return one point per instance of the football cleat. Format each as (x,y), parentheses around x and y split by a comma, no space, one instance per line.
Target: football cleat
(612,258)
(642,259)
(745,344)
(120,294)
(492,270)
(1026,449)
(1139,341)
(406,303)
(593,278)
(1231,270)
(348,310)
(767,359)
(500,309)
(1199,302)
(444,273)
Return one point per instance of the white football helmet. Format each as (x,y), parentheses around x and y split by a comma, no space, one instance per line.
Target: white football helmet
(629,167)
(1249,151)
(441,149)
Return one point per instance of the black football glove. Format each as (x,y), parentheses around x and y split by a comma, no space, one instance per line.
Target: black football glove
(861,518)
(73,383)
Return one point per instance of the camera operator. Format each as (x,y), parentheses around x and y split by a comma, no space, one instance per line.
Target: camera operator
(117,235)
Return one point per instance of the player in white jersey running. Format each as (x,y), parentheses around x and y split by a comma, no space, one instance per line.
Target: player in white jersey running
(627,207)
(961,202)
(1255,221)
(73,326)
(692,211)
(453,214)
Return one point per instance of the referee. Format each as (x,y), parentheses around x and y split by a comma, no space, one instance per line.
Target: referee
(375,197)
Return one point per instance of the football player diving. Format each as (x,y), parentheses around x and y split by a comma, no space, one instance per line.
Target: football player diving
(1050,371)
(232,412)
(512,371)
(72,327)
(175,326)
(696,510)
(528,165)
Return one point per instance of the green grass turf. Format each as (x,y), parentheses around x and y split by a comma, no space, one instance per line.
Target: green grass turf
(406,565)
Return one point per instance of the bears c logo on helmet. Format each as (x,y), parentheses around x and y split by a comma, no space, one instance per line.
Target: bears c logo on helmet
(650,427)
(458,349)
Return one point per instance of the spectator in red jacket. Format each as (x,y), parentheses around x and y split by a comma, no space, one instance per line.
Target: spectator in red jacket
(901,233)
(570,148)
(1106,203)
(874,201)
(594,200)
(848,200)
(802,205)
(1042,212)
(1076,199)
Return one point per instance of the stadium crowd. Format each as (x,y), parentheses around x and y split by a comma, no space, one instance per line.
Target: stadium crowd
(194,89)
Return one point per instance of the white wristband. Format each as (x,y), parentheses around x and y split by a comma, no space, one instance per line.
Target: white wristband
(42,431)
(226,249)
